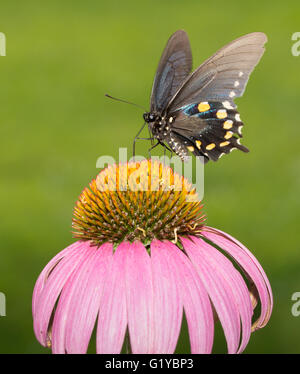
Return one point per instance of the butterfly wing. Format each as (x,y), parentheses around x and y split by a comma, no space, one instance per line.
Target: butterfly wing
(223,76)
(208,129)
(174,66)
(207,121)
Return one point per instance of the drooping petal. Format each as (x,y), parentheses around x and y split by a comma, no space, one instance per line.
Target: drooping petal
(167,305)
(139,296)
(252,268)
(40,283)
(51,282)
(195,300)
(219,292)
(203,252)
(64,308)
(112,317)
(86,296)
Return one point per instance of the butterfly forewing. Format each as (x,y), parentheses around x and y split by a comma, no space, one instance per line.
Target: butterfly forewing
(174,66)
(224,75)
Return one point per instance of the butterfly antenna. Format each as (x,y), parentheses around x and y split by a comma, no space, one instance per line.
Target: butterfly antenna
(127,102)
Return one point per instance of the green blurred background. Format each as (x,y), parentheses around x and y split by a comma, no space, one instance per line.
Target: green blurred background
(62,57)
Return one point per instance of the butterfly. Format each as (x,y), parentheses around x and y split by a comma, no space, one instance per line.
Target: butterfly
(195,112)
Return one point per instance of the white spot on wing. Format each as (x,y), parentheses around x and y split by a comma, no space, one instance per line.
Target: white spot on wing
(237,117)
(227,105)
(231,94)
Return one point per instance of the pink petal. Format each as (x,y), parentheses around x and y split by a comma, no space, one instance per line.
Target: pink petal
(219,292)
(50,283)
(139,296)
(40,283)
(230,277)
(112,318)
(195,300)
(167,303)
(65,304)
(251,267)
(85,299)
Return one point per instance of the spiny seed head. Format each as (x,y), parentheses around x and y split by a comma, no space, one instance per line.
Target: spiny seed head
(137,201)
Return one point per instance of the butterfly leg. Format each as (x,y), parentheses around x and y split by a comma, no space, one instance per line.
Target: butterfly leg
(138,138)
(166,148)
(150,136)
(150,149)
(155,145)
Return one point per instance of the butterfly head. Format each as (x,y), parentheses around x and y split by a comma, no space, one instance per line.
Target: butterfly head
(150,117)
(156,124)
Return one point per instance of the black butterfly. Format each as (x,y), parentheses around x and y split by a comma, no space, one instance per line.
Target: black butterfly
(195,111)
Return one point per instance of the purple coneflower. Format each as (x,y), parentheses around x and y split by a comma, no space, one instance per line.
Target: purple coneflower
(144,257)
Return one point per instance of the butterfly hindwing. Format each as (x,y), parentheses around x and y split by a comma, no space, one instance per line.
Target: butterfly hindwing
(209,128)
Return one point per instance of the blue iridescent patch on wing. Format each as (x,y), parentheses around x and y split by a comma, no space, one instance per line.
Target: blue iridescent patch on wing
(201,110)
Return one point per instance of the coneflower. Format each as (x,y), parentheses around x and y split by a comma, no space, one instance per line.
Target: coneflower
(145,256)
